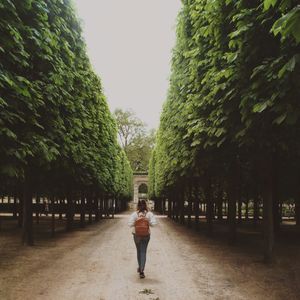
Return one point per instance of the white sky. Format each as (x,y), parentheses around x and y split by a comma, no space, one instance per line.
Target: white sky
(129,44)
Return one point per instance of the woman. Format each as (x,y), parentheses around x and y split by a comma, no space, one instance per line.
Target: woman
(142,216)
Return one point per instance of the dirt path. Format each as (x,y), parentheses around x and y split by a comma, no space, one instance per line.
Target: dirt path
(99,262)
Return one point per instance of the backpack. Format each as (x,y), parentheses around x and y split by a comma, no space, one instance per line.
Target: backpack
(141,225)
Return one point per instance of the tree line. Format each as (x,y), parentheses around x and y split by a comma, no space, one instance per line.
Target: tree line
(229,131)
(57,136)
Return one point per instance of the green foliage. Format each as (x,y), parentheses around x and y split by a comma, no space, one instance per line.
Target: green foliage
(55,126)
(139,150)
(129,126)
(289,22)
(233,93)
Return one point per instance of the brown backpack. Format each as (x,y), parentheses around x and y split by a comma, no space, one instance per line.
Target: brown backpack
(141,225)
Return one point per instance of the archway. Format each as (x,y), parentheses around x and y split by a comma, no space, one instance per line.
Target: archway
(143,188)
(143,191)
(140,184)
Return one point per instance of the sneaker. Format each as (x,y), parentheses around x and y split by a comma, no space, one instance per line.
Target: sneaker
(142,275)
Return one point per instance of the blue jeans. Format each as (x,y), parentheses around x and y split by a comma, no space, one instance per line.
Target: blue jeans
(141,244)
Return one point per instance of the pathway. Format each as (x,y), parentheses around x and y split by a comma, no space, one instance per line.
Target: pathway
(99,263)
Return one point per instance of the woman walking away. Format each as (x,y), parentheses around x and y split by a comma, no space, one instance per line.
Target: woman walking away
(141,220)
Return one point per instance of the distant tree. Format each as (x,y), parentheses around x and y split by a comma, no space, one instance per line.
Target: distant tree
(129,126)
(139,150)
(136,141)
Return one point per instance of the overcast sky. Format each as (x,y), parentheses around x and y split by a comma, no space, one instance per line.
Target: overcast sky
(129,44)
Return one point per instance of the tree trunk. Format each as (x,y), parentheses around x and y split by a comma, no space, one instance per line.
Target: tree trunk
(268,222)
(89,202)
(15,207)
(101,206)
(173,209)
(233,198)
(163,206)
(97,215)
(209,207)
(197,208)
(247,209)
(297,211)
(232,213)
(106,206)
(275,196)
(280,211)
(20,211)
(82,210)
(190,205)
(60,208)
(169,206)
(27,233)
(37,213)
(240,210)
(70,212)
(113,208)
(181,206)
(276,212)
(176,208)
(220,205)
(255,210)
(53,217)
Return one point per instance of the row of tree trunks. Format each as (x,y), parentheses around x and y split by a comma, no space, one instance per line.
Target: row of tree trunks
(214,208)
(219,209)
(97,206)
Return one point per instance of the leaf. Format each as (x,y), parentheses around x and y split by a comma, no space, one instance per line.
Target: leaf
(9,171)
(241,133)
(289,66)
(6,79)
(3,103)
(195,143)
(269,3)
(220,131)
(288,24)
(221,141)
(280,119)
(259,107)
(28,4)
(10,134)
(296,31)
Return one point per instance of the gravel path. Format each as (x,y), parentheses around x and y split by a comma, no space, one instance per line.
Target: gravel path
(99,262)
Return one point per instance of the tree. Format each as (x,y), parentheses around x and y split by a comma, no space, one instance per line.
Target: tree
(57,135)
(232,115)
(136,141)
(139,150)
(129,126)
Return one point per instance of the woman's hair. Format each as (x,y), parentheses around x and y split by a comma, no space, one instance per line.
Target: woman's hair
(142,206)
